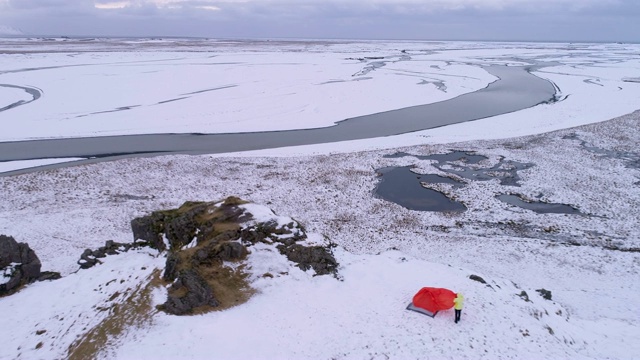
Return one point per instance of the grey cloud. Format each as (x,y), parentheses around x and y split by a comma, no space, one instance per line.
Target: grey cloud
(603,20)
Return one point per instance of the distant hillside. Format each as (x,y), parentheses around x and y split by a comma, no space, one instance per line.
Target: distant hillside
(8,30)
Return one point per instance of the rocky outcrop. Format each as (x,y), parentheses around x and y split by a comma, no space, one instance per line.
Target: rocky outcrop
(90,257)
(189,292)
(546,294)
(180,226)
(19,265)
(201,237)
(149,229)
(318,258)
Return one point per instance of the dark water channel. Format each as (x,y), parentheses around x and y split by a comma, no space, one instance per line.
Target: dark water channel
(515,90)
(35,95)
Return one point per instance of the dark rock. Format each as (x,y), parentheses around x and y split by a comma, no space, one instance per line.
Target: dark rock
(100,253)
(149,229)
(187,293)
(261,232)
(171,267)
(287,241)
(231,212)
(181,230)
(49,275)
(317,257)
(230,251)
(524,296)
(225,236)
(269,230)
(215,253)
(252,236)
(19,265)
(546,294)
(477,278)
(89,257)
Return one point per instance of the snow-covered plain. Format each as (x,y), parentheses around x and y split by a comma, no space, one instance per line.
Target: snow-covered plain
(96,87)
(387,253)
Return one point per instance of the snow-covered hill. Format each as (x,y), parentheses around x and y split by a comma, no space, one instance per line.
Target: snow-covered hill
(386,252)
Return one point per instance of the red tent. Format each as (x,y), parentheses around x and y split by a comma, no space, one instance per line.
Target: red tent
(430,300)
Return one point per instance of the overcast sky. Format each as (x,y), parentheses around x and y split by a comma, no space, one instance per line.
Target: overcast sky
(539,20)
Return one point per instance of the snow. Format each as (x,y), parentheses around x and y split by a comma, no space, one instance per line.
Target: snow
(190,245)
(262,214)
(9,96)
(386,252)
(343,312)
(291,85)
(65,308)
(7,272)
(85,96)
(25,164)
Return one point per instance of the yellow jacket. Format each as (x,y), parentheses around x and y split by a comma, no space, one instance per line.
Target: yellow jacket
(457,302)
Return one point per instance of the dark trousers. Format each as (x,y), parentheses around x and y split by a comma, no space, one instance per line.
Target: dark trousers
(458,313)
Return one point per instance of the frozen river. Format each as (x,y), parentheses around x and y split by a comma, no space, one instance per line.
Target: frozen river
(103,99)
(515,89)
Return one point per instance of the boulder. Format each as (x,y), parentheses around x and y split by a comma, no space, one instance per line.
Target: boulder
(270,230)
(318,258)
(546,294)
(149,229)
(171,267)
(187,293)
(182,229)
(477,278)
(214,253)
(19,265)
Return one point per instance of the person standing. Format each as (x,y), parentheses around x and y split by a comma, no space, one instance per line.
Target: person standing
(457,306)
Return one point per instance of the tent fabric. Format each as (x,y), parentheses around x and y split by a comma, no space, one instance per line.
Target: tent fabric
(434,299)
(421,310)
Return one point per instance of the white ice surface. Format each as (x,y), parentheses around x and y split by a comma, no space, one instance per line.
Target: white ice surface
(9,96)
(214,87)
(210,92)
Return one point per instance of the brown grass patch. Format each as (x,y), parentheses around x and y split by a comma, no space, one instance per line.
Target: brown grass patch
(230,286)
(134,310)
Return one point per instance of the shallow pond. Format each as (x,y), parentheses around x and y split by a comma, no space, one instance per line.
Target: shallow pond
(538,206)
(403,187)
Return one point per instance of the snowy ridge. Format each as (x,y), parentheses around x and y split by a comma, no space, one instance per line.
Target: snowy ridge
(363,316)
(369,292)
